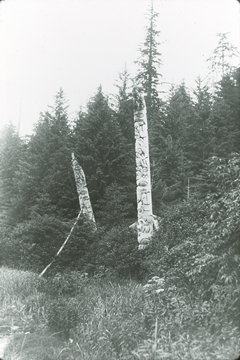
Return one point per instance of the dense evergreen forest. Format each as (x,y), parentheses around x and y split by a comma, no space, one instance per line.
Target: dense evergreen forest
(194,154)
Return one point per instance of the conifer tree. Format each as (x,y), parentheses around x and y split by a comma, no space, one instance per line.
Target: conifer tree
(221,59)
(47,170)
(12,153)
(222,55)
(225,115)
(102,150)
(178,145)
(149,62)
(125,107)
(201,132)
(203,99)
(229,92)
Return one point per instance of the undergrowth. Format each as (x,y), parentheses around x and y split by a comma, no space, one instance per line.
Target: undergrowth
(72,316)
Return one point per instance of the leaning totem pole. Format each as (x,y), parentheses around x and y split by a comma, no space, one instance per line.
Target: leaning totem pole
(84,202)
(82,190)
(147,222)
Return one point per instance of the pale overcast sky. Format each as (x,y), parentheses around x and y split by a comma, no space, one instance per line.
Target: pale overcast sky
(80,44)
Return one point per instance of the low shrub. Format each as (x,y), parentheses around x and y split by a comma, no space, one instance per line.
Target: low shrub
(34,243)
(118,252)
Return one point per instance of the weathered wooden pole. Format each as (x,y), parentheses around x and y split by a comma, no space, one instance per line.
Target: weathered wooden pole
(147,222)
(82,190)
(84,202)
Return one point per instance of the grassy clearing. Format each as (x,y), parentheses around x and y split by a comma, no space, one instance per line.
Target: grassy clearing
(73,317)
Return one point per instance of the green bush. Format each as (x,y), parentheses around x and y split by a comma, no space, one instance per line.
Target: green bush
(197,245)
(218,260)
(175,244)
(33,244)
(118,252)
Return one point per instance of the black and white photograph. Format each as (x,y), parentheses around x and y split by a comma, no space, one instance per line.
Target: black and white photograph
(119,180)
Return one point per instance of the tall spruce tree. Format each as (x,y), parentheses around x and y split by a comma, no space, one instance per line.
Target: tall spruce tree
(171,143)
(221,60)
(197,131)
(149,62)
(182,142)
(222,55)
(125,106)
(46,199)
(46,180)
(201,132)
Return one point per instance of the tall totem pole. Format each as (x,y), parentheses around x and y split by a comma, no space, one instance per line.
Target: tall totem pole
(147,222)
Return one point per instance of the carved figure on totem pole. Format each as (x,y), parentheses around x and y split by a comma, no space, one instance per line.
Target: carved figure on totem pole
(147,222)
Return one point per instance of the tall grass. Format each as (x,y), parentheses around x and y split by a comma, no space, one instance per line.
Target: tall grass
(72,317)
(16,282)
